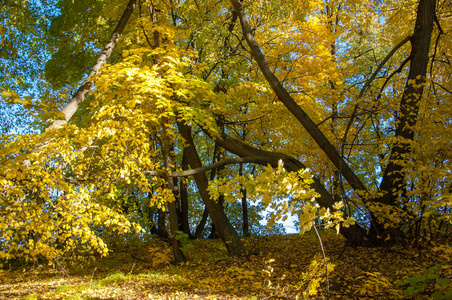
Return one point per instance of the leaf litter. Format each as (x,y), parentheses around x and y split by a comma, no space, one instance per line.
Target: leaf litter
(276,267)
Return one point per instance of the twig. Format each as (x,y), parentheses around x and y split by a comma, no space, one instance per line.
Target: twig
(92,276)
(390,54)
(131,269)
(326,263)
(62,269)
(251,250)
(140,259)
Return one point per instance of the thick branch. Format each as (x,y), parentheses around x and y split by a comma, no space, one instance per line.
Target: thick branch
(219,164)
(262,160)
(263,157)
(354,234)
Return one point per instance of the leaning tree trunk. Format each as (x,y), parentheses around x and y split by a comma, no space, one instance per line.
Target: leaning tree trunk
(202,223)
(393,181)
(81,92)
(79,96)
(354,234)
(224,228)
(284,96)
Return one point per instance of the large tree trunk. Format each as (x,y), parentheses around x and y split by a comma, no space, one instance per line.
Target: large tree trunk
(161,225)
(393,182)
(224,228)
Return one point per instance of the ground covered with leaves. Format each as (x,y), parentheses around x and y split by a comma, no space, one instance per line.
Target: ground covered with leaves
(277,267)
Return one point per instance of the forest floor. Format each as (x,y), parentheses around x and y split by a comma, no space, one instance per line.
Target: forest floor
(277,267)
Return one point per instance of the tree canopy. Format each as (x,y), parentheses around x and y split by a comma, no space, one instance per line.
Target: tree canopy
(149,117)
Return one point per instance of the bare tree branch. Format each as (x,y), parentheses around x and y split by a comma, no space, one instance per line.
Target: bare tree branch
(383,62)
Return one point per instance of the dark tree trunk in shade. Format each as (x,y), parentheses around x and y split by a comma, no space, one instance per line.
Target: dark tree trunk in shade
(245,222)
(393,183)
(183,195)
(202,224)
(224,228)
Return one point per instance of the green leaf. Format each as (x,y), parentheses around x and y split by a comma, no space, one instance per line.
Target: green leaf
(444,282)
(437,296)
(448,295)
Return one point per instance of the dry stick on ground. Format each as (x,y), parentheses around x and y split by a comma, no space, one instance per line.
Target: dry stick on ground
(92,276)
